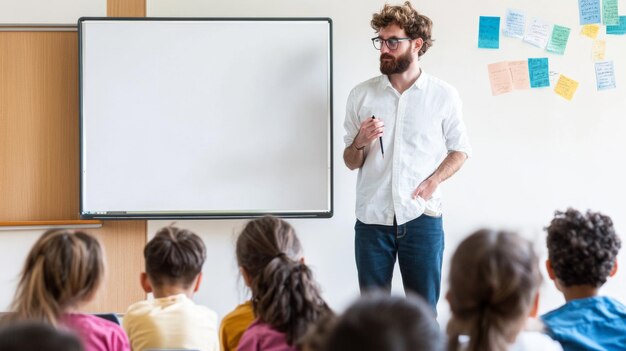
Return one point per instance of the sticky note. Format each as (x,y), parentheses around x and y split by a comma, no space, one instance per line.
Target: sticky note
(566,87)
(489,32)
(519,74)
(609,12)
(538,33)
(538,72)
(598,50)
(619,29)
(515,22)
(605,75)
(589,11)
(590,30)
(558,40)
(500,78)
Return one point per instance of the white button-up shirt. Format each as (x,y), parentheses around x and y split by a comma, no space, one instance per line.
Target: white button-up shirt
(422,125)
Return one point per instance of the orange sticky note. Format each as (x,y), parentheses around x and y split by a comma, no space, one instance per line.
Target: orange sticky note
(519,74)
(598,50)
(566,87)
(500,78)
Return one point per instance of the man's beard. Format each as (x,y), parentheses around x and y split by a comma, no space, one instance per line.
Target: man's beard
(395,65)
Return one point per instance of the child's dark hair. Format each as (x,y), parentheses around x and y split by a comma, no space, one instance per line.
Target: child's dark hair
(582,247)
(284,294)
(494,278)
(381,322)
(32,336)
(174,256)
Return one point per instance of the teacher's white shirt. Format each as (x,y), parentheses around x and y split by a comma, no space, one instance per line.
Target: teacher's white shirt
(422,125)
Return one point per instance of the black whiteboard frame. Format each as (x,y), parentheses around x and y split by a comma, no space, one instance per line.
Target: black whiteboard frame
(113,215)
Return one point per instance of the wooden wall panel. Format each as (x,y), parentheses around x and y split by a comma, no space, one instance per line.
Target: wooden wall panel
(38,126)
(126,8)
(123,243)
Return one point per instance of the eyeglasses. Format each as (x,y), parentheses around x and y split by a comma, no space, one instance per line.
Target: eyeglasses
(392,43)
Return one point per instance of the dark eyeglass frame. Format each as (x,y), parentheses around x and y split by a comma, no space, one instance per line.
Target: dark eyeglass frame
(392,43)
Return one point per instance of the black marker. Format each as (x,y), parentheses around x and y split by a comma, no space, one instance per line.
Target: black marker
(380,139)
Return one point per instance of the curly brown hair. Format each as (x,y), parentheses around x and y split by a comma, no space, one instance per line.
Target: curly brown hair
(582,247)
(406,17)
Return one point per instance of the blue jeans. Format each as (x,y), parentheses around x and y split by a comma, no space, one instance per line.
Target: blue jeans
(418,244)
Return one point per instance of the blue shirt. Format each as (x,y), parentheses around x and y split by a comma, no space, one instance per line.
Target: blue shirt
(590,324)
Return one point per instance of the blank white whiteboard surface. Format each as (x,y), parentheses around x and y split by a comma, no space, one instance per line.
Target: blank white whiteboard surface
(201,118)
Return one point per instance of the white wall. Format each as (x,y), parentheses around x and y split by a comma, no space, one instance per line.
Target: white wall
(534,151)
(49,12)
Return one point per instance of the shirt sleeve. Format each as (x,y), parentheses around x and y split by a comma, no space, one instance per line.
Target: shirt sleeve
(351,123)
(454,131)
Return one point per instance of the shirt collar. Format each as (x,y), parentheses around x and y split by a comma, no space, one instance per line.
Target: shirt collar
(420,83)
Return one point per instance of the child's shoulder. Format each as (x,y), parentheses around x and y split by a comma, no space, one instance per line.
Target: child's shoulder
(91,327)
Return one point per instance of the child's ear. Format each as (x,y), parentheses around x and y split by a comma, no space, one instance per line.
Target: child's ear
(145,282)
(550,270)
(198,281)
(614,270)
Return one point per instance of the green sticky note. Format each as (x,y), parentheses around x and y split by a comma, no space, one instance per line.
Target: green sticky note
(610,15)
(558,40)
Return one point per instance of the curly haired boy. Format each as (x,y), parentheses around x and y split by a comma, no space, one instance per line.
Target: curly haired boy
(582,254)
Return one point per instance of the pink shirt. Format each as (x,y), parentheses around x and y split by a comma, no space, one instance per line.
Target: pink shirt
(96,333)
(261,337)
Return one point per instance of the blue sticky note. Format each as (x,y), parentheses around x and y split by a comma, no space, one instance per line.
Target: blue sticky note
(489,32)
(514,23)
(619,29)
(538,72)
(589,11)
(605,75)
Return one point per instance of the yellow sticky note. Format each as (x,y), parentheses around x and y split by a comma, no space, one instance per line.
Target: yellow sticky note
(598,50)
(590,30)
(566,87)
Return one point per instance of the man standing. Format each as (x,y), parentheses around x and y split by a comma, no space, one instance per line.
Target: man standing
(417,118)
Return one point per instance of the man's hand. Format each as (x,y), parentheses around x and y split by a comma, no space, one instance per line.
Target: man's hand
(370,130)
(426,189)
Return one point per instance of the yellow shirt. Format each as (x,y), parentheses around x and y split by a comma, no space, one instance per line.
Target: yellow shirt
(173,322)
(234,324)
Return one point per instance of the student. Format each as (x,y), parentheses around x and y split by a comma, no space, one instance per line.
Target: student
(285,298)
(174,259)
(385,323)
(494,282)
(35,336)
(582,254)
(234,324)
(62,273)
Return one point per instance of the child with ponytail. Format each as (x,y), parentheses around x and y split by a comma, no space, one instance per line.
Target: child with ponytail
(494,282)
(62,273)
(286,300)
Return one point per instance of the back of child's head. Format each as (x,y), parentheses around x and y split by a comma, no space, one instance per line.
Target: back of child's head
(384,323)
(37,337)
(582,248)
(494,278)
(284,294)
(63,270)
(174,257)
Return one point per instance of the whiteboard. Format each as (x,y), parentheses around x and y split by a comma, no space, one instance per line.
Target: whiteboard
(204,118)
